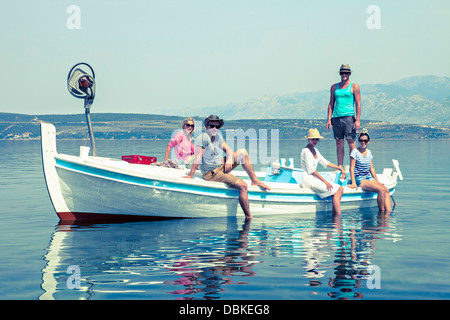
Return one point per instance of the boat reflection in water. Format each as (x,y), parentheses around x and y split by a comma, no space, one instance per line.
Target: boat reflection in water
(319,257)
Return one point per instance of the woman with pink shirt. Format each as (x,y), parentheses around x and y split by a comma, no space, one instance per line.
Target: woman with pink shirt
(182,143)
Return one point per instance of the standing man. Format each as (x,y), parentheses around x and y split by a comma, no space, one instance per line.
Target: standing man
(214,167)
(344,112)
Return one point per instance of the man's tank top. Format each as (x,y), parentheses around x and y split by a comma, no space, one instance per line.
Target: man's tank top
(344,105)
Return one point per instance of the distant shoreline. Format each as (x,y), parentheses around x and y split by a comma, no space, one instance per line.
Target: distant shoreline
(148,127)
(65,139)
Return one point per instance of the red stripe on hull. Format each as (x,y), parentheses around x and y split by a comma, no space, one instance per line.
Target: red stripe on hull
(71,217)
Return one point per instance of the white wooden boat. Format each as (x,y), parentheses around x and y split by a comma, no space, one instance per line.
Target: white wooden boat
(83,187)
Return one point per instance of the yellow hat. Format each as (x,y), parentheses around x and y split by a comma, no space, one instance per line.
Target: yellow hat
(313,134)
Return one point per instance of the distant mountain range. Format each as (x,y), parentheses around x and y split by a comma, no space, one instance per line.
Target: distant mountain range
(411,108)
(415,100)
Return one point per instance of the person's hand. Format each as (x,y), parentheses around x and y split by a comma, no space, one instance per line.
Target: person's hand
(228,167)
(357,125)
(187,177)
(353,186)
(343,174)
(329,125)
(329,186)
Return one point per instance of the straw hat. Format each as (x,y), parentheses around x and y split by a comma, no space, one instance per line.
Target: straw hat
(345,68)
(313,134)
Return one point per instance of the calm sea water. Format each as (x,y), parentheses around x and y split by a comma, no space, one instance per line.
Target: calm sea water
(362,255)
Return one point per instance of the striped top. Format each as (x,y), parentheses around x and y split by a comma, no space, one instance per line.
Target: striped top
(362,163)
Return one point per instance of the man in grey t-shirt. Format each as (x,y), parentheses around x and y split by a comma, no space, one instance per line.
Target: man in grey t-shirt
(213,152)
(209,148)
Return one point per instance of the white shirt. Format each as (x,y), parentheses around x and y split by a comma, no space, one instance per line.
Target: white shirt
(309,165)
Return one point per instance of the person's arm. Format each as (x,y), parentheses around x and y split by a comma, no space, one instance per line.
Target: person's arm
(327,164)
(230,154)
(173,142)
(333,166)
(331,106)
(372,171)
(357,96)
(318,176)
(308,159)
(352,173)
(198,158)
(167,154)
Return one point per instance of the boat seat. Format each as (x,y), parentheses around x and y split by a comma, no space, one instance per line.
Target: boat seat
(285,176)
(288,175)
(337,179)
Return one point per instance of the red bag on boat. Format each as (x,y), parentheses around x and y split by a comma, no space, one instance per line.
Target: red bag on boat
(138,159)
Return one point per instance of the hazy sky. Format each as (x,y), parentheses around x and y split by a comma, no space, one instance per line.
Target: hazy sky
(151,56)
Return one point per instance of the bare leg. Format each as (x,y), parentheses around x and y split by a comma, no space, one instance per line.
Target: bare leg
(243,198)
(384,198)
(241,156)
(387,200)
(340,152)
(337,201)
(351,145)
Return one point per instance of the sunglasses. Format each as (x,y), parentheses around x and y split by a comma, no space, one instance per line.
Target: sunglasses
(212,126)
(364,141)
(344,73)
(190,125)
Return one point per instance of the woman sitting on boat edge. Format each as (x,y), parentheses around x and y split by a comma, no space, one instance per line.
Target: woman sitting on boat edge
(310,158)
(362,173)
(182,143)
